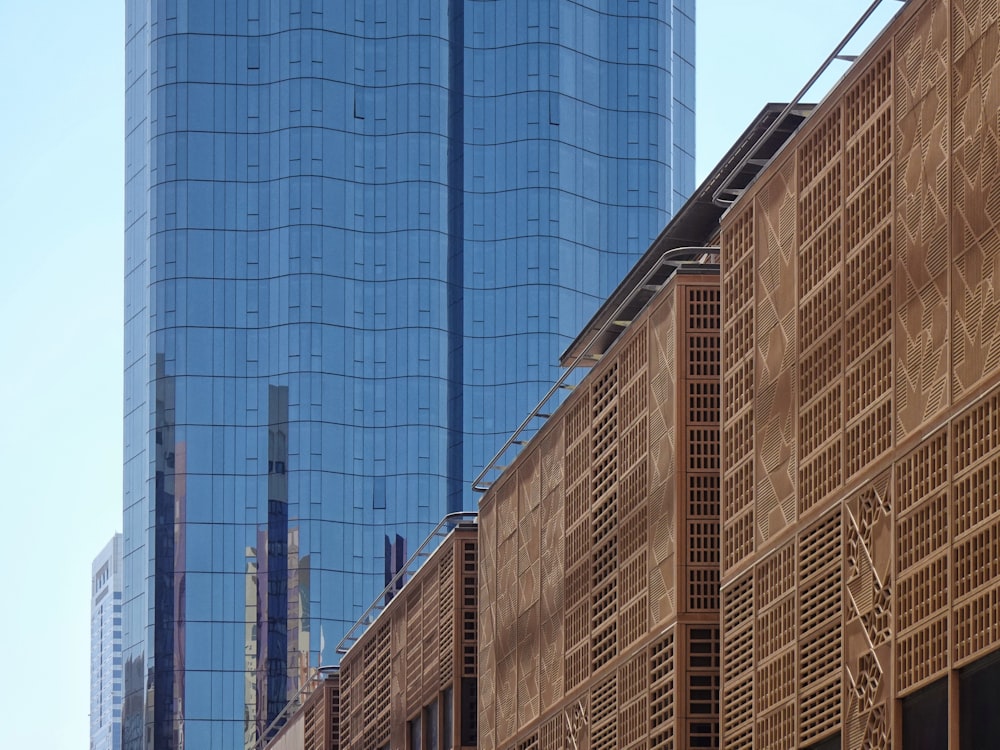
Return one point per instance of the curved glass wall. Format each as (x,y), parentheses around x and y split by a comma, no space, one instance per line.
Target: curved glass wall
(358,236)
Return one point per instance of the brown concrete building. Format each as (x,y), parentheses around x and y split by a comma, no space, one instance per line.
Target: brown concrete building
(599,570)
(599,544)
(409,681)
(861,407)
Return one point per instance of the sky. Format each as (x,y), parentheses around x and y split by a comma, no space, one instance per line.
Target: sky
(61,260)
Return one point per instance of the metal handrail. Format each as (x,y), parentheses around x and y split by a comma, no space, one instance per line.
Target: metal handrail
(445,525)
(835,55)
(669,257)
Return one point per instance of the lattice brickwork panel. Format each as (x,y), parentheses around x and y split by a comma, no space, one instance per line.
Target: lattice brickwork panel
(584,552)
(923,538)
(633,702)
(975,210)
(322,730)
(737,450)
(921,92)
(374,687)
(701,420)
(868,267)
(604,603)
(448,606)
(868,591)
(468,615)
(399,698)
(820,608)
(662,695)
(776,381)
(774,584)
(783,645)
(975,444)
(413,654)
(820,294)
(774,580)
(703,657)
(350,720)
(738,286)
(431,626)
(552,734)
(738,655)
(868,128)
(604,714)
(321,717)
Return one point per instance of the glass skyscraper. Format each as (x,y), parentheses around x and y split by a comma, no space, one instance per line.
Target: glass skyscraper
(358,235)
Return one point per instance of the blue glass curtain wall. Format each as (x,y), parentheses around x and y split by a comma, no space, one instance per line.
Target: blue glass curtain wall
(358,236)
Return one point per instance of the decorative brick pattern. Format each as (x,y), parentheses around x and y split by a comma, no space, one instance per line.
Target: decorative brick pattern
(615,572)
(776,355)
(893,246)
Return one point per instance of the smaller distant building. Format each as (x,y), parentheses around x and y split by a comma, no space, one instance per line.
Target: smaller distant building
(106,647)
(410,679)
(316,726)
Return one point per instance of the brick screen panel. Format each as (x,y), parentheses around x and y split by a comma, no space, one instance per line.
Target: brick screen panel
(633,456)
(861,379)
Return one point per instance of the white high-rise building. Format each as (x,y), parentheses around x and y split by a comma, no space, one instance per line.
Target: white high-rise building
(106,648)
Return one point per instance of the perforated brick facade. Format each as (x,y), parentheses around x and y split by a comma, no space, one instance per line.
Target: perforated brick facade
(599,623)
(781,535)
(861,399)
(410,679)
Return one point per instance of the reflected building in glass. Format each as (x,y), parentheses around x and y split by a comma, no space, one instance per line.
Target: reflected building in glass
(358,236)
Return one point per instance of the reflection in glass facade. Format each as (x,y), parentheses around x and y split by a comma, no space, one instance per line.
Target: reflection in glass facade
(358,236)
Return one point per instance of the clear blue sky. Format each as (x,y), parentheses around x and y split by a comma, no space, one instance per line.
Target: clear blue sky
(61,164)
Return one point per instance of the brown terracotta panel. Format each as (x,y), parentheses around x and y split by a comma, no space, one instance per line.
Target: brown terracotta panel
(922,55)
(776,367)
